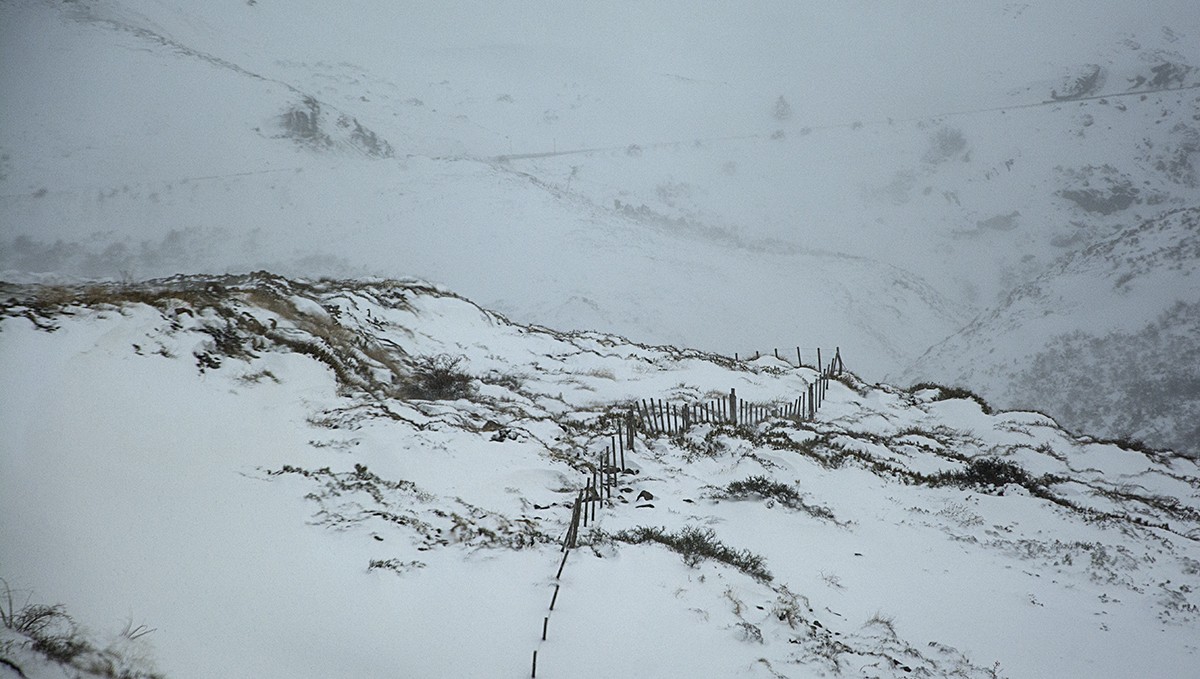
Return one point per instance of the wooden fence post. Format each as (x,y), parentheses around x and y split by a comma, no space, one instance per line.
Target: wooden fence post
(629,437)
(533,674)
(820,366)
(799,363)
(612,461)
(608,473)
(560,565)
(583,499)
(603,475)
(733,406)
(554,598)
(608,466)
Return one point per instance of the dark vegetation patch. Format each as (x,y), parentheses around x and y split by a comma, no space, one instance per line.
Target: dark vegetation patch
(217,307)
(763,487)
(361,497)
(439,378)
(50,632)
(696,545)
(951,393)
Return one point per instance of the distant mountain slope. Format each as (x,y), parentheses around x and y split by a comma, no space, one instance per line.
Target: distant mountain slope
(289,478)
(1106,341)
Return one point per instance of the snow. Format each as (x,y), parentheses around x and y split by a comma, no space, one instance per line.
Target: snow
(139,486)
(612,171)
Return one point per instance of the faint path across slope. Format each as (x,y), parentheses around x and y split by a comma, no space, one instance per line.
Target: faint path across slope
(856,124)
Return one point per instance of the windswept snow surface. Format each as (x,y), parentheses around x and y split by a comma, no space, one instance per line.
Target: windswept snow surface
(240,463)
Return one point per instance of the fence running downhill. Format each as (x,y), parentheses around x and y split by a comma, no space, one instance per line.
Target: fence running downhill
(656,417)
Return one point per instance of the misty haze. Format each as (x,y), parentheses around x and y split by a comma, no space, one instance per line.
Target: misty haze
(990,207)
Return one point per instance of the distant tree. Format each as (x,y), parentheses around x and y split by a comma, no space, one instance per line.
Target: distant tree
(783,110)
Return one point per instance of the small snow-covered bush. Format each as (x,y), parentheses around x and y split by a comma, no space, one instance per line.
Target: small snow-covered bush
(949,393)
(782,493)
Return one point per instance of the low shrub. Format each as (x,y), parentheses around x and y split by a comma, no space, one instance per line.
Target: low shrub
(50,632)
(782,493)
(992,472)
(438,378)
(697,544)
(950,393)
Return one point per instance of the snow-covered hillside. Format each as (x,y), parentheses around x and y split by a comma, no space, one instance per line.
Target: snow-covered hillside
(256,476)
(1105,340)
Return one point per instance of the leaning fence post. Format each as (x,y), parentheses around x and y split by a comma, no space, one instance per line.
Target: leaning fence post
(533,674)
(575,521)
(820,366)
(560,565)
(799,363)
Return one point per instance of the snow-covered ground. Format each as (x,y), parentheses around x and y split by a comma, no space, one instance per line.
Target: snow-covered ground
(246,465)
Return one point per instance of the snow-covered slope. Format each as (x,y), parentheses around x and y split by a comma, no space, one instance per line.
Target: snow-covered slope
(1105,340)
(268,473)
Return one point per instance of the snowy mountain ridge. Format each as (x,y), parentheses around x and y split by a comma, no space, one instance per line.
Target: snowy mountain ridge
(370,477)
